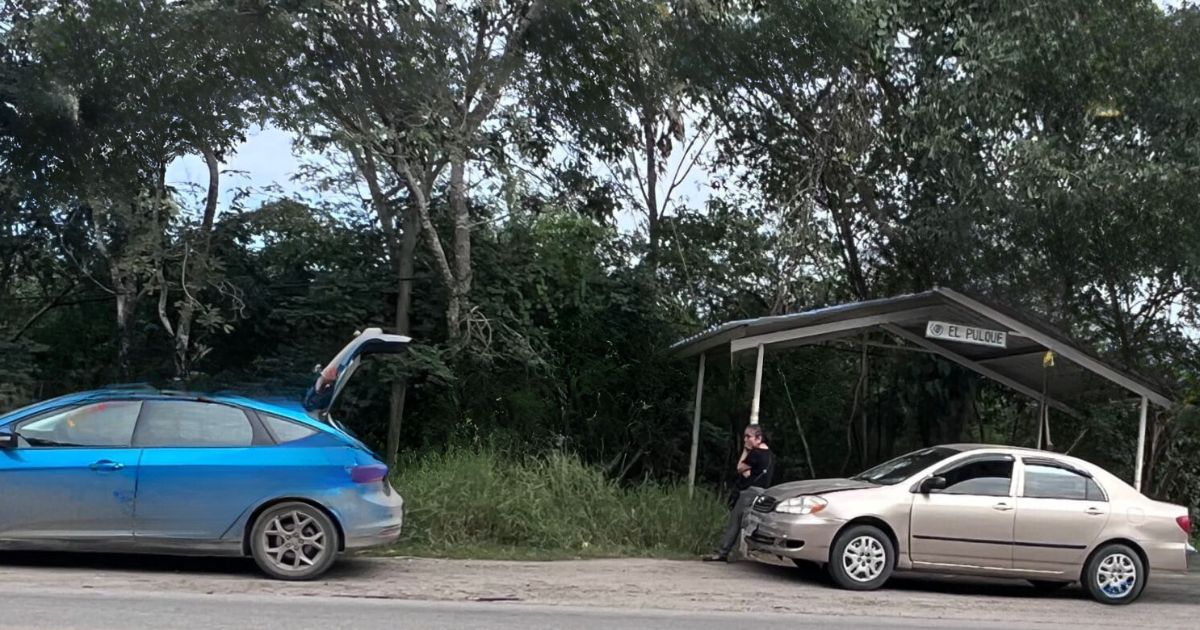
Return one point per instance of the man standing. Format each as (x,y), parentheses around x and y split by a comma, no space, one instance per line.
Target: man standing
(754,469)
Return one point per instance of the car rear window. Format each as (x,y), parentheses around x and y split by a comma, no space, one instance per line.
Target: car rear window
(1048,482)
(285,430)
(192,423)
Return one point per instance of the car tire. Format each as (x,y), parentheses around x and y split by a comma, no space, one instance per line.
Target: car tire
(1046,587)
(294,541)
(862,558)
(1115,574)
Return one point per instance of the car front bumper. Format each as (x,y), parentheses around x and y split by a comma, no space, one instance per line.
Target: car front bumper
(777,538)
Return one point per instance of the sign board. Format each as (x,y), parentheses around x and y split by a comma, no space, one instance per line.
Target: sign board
(966,334)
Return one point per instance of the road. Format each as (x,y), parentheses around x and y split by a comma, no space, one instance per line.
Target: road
(113,611)
(63,591)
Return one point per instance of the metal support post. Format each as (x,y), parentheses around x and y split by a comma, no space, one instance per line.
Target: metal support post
(757,386)
(696,429)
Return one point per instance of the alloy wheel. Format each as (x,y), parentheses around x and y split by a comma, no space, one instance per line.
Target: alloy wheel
(864,559)
(1117,575)
(294,541)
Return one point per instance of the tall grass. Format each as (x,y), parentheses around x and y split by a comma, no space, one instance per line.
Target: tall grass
(465,502)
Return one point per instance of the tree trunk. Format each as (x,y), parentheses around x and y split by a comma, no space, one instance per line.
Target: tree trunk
(850,256)
(408,252)
(402,254)
(405,268)
(812,472)
(460,286)
(1016,423)
(195,271)
(126,298)
(419,191)
(651,195)
(860,388)
(866,385)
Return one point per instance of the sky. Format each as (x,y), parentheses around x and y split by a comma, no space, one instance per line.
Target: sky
(268,161)
(265,159)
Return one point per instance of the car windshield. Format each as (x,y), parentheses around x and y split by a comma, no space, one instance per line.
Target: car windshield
(897,470)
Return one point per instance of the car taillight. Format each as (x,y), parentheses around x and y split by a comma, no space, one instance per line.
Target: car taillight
(1185,523)
(369,473)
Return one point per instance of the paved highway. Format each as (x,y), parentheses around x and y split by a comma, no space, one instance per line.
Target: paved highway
(67,592)
(170,611)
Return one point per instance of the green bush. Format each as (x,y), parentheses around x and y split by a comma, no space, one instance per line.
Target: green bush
(478,502)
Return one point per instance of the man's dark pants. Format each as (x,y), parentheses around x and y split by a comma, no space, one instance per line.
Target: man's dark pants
(733,527)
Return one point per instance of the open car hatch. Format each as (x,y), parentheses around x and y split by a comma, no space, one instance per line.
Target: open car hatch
(324,392)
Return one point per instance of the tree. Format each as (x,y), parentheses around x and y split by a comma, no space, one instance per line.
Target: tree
(152,81)
(413,86)
(612,76)
(926,143)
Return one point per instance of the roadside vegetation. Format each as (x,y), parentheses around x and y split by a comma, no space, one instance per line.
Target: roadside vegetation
(481,503)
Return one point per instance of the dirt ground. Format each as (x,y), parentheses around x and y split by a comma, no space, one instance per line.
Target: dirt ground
(1169,602)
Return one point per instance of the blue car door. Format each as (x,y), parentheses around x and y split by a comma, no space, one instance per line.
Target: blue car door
(202,467)
(72,476)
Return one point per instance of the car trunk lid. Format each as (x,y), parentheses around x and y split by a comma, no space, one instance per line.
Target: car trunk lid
(321,396)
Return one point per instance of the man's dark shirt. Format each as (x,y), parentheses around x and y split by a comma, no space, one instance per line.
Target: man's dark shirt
(759,461)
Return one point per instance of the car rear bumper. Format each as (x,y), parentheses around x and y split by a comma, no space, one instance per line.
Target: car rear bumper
(377,519)
(776,538)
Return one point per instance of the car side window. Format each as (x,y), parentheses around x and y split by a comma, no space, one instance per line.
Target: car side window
(184,423)
(987,477)
(1049,482)
(285,431)
(102,424)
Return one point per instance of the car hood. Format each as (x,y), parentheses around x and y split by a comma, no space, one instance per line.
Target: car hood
(815,486)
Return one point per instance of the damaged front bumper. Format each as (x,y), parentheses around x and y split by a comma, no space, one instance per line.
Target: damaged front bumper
(777,538)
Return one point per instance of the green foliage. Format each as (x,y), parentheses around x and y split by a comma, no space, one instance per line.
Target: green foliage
(554,503)
(1044,154)
(18,369)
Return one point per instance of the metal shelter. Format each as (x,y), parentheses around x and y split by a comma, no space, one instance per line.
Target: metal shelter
(998,342)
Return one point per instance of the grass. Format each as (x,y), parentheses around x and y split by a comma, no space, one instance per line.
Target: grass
(480,504)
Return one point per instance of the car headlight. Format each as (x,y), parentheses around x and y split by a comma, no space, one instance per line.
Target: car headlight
(802,505)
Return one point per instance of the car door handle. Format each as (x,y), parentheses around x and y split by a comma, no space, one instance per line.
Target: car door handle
(1093,511)
(1003,507)
(107,464)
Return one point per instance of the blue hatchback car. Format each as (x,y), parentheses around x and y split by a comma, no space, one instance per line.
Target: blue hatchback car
(182,473)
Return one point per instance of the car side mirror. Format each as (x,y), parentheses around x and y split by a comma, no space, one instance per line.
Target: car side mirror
(8,439)
(932,484)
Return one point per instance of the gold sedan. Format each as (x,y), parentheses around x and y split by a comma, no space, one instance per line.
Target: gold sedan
(974,509)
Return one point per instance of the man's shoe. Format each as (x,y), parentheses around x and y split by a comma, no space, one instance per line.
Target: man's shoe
(715,557)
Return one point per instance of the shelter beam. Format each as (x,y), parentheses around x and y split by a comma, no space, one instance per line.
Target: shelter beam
(829,329)
(918,340)
(1066,350)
